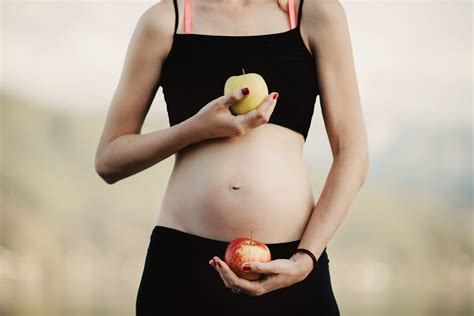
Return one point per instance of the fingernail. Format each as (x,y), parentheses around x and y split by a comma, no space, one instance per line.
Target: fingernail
(275,95)
(246,267)
(245,91)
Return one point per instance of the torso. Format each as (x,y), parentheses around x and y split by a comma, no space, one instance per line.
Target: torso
(224,188)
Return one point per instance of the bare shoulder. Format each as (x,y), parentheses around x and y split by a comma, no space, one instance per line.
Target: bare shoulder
(323,19)
(157,23)
(323,12)
(159,15)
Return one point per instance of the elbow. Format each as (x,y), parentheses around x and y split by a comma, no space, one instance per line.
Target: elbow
(104,172)
(359,160)
(364,169)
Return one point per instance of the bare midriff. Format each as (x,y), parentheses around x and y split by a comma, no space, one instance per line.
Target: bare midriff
(225,188)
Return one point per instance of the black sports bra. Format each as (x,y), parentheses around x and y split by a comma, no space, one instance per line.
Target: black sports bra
(198,65)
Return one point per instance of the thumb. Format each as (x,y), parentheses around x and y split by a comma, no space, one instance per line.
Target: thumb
(261,267)
(236,96)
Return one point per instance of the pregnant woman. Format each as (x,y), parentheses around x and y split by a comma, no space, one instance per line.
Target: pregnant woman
(237,175)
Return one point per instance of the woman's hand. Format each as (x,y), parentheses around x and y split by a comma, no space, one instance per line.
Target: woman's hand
(277,274)
(216,120)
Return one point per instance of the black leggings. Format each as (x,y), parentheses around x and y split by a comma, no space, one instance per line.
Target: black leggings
(177,279)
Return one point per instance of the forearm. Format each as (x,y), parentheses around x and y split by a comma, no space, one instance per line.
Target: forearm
(346,176)
(129,154)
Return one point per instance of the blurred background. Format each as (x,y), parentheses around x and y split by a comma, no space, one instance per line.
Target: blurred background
(73,245)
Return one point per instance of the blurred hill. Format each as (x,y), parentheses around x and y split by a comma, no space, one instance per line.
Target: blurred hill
(73,245)
(431,161)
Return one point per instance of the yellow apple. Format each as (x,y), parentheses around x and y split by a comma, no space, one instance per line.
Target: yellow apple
(258,91)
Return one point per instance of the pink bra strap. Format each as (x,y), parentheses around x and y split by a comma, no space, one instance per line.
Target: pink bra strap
(187,15)
(291,13)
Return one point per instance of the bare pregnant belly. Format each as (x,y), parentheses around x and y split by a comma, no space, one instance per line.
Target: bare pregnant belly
(226,188)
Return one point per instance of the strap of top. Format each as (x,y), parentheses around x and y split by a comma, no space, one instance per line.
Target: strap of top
(176,15)
(188,6)
(300,12)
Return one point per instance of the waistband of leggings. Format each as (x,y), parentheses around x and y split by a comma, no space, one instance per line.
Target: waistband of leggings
(178,237)
(164,231)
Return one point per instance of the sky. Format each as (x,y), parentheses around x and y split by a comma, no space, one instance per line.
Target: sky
(413,59)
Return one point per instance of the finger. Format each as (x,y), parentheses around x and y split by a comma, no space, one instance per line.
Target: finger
(223,277)
(268,102)
(212,263)
(263,267)
(236,96)
(272,107)
(258,115)
(235,281)
(226,272)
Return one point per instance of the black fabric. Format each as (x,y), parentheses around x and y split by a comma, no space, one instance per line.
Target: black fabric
(300,12)
(177,279)
(198,65)
(176,13)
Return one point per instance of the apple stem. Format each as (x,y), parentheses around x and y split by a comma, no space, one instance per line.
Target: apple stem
(243,71)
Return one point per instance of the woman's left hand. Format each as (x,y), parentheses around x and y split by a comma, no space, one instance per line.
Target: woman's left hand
(277,274)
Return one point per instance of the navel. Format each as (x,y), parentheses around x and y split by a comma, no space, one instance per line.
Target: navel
(235,187)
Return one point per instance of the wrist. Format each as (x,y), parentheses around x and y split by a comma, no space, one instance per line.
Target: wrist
(303,262)
(195,129)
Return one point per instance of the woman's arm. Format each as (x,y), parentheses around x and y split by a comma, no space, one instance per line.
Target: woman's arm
(123,150)
(329,39)
(328,36)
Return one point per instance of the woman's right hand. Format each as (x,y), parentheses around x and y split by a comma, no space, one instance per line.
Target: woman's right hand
(216,120)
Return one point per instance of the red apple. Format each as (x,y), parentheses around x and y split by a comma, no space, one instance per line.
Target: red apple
(242,250)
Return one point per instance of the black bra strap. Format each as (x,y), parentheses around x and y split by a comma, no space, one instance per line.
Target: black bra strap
(176,19)
(300,12)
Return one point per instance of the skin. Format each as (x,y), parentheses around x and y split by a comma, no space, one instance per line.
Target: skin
(211,138)
(342,114)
